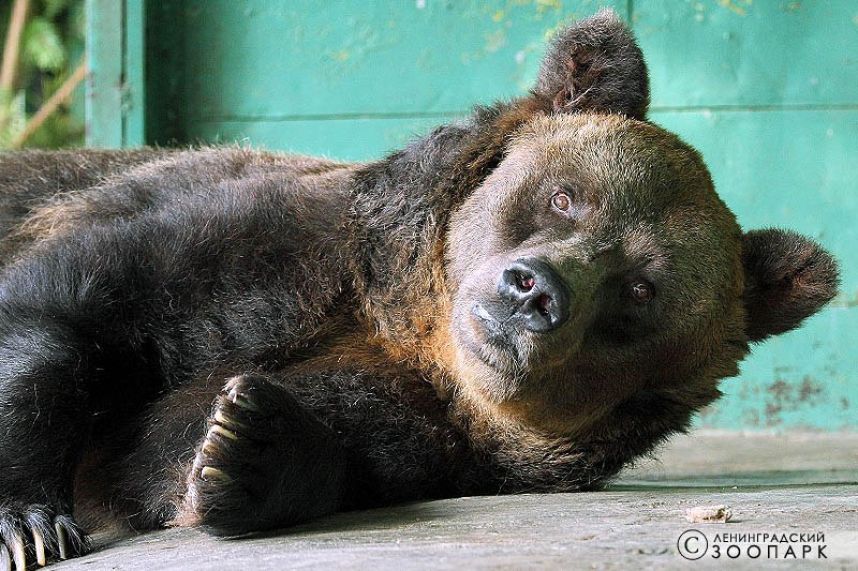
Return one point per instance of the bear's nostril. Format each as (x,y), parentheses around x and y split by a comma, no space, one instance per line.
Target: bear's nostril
(542,303)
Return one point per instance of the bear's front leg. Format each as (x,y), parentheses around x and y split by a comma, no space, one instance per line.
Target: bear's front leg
(44,419)
(264,463)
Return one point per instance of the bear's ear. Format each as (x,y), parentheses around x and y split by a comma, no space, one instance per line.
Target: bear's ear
(595,65)
(787,278)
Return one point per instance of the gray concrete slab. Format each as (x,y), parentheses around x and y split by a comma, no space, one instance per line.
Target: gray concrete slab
(776,484)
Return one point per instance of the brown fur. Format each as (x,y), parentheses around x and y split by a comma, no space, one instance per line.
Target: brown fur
(331,336)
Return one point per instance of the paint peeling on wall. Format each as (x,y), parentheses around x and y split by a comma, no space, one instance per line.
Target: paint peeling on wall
(783,396)
(739,7)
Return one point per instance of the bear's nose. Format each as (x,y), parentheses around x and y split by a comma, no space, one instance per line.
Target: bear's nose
(538,295)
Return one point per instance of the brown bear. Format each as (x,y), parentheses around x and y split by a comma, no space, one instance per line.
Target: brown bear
(522,301)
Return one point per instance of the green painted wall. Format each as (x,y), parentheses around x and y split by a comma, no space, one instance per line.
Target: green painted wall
(767,90)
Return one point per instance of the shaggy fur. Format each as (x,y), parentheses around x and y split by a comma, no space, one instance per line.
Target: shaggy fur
(240,341)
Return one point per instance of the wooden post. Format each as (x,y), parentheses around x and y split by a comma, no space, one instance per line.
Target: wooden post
(9,69)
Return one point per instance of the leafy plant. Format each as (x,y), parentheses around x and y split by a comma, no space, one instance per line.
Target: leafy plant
(51,46)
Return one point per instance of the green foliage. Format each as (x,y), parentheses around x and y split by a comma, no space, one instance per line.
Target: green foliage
(13,117)
(52,44)
(42,45)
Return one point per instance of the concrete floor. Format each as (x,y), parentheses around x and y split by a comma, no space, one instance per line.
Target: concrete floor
(800,483)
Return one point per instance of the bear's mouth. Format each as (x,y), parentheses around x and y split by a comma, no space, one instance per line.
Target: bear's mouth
(491,340)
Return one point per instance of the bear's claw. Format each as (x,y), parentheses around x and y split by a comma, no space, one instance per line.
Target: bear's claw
(237,396)
(32,533)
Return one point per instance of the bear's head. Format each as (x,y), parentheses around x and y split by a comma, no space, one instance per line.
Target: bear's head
(598,281)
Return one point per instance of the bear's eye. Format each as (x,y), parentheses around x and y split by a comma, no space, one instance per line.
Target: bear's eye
(560,201)
(641,291)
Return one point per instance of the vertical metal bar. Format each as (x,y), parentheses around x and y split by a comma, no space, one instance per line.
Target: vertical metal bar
(104,85)
(134,101)
(115,103)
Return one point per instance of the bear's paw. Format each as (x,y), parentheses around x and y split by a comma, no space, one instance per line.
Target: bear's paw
(262,464)
(37,533)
